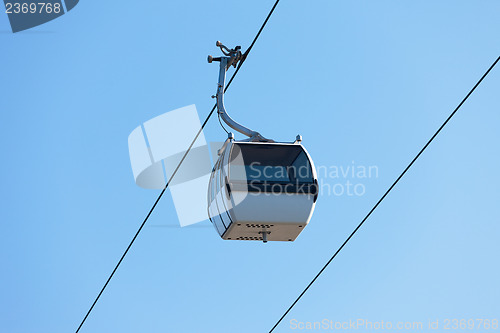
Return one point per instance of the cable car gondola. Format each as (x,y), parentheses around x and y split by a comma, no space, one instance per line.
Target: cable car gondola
(259,189)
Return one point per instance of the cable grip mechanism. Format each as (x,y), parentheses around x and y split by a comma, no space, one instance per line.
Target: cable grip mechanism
(234,55)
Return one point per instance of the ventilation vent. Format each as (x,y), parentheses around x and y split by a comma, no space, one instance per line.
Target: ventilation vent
(267,226)
(249,238)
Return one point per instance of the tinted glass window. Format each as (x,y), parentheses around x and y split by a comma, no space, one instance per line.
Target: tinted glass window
(270,163)
(212,188)
(217,184)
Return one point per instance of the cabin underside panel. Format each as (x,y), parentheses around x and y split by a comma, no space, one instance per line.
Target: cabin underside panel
(281,217)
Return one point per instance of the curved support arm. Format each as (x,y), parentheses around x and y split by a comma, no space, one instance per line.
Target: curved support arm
(220,102)
(253,135)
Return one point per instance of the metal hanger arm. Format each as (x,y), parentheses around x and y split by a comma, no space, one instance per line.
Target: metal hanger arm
(225,64)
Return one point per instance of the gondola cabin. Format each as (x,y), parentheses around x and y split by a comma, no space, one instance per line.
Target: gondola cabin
(262,191)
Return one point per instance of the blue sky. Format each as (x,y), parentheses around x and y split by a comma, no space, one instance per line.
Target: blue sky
(362,81)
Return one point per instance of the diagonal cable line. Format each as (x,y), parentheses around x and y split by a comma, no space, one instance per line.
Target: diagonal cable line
(220,122)
(386,193)
(175,171)
(255,39)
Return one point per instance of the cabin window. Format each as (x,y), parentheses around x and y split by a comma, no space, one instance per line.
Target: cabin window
(211,188)
(270,164)
(217,176)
